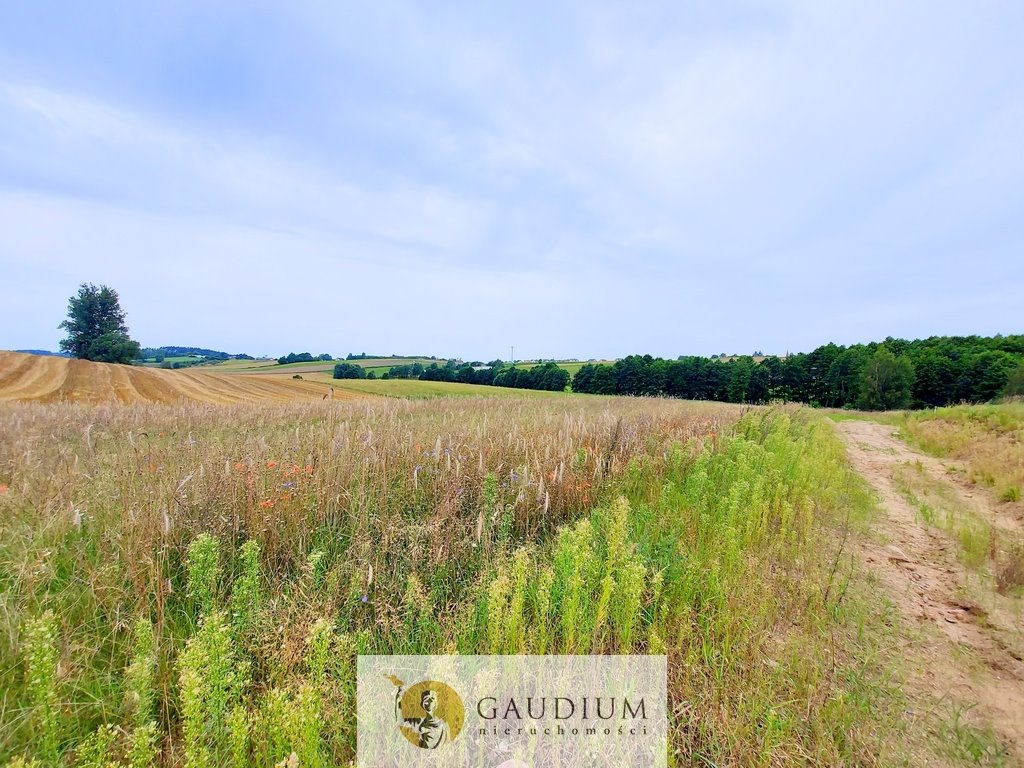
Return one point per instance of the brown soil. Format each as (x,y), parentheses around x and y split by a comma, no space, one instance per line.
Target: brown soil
(974,659)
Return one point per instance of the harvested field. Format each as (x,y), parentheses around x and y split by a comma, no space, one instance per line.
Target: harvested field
(44,379)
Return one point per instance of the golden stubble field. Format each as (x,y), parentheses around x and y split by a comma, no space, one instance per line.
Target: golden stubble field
(45,379)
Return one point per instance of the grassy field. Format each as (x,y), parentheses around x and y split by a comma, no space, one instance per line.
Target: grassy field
(989,439)
(152,362)
(416,389)
(187,585)
(378,364)
(228,366)
(572,367)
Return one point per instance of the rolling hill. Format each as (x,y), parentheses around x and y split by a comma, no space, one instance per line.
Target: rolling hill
(57,379)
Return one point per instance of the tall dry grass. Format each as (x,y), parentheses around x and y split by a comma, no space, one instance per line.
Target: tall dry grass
(988,438)
(191,585)
(101,503)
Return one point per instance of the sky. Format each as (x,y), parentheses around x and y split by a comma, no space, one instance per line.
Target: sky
(574,179)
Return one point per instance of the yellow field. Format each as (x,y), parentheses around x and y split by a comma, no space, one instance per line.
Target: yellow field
(58,379)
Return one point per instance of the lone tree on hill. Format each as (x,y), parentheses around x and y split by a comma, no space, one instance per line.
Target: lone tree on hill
(96,327)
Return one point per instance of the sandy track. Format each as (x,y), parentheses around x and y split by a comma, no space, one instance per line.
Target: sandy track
(975,659)
(46,379)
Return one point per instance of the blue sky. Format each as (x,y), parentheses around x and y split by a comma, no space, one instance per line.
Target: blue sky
(575,179)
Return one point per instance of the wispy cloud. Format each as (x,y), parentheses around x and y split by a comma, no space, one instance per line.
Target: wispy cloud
(583,180)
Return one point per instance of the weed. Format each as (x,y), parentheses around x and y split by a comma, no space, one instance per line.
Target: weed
(212,680)
(204,572)
(139,677)
(246,593)
(40,648)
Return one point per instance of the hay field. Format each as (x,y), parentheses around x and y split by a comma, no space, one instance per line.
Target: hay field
(45,379)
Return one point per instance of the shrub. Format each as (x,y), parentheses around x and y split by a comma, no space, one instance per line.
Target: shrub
(349,371)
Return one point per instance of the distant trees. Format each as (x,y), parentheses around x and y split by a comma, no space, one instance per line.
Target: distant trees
(596,379)
(549,376)
(886,382)
(303,357)
(349,371)
(895,373)
(96,327)
(413,371)
(209,354)
(1015,383)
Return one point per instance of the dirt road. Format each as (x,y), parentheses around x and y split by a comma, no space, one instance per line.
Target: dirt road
(969,654)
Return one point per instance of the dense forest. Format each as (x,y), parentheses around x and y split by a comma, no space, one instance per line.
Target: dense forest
(878,376)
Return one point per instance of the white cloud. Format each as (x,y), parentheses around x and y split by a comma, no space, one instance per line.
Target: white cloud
(144,163)
(714,175)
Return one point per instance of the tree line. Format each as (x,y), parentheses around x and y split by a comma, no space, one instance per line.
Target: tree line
(303,357)
(896,373)
(549,376)
(209,354)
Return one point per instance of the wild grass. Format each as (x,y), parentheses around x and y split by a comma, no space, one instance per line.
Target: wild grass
(938,506)
(191,585)
(989,439)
